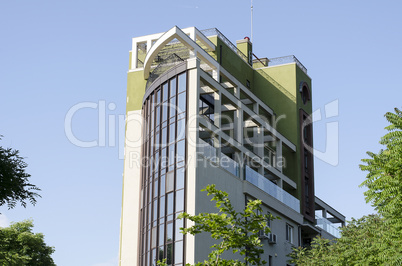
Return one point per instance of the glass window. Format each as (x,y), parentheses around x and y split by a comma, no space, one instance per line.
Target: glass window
(164,112)
(155,210)
(178,252)
(172,153)
(169,254)
(158,115)
(164,137)
(162,180)
(153,257)
(156,162)
(169,181)
(181,106)
(162,207)
(163,158)
(182,82)
(160,252)
(162,195)
(161,234)
(181,129)
(165,92)
(170,203)
(172,133)
(181,116)
(172,87)
(157,140)
(172,107)
(289,233)
(153,241)
(150,194)
(180,200)
(178,235)
(169,232)
(172,120)
(181,150)
(156,188)
(158,96)
(180,178)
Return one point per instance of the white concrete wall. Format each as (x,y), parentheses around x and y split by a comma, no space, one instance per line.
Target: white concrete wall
(130,212)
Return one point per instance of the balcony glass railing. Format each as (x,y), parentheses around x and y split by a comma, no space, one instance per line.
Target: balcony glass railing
(230,165)
(327,226)
(225,162)
(207,150)
(263,183)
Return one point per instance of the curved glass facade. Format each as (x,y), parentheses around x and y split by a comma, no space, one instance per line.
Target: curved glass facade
(163,176)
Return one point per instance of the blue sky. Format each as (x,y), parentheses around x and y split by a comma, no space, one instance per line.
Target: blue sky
(57,54)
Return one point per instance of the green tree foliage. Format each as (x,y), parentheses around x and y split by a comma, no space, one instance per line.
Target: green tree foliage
(14,184)
(237,231)
(362,243)
(20,246)
(374,239)
(384,180)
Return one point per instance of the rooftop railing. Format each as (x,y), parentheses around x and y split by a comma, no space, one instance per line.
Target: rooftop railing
(286,60)
(215,31)
(327,226)
(267,186)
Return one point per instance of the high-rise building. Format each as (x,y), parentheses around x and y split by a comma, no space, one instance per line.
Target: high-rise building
(201,110)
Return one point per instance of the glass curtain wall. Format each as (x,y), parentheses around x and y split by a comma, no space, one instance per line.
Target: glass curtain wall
(163,173)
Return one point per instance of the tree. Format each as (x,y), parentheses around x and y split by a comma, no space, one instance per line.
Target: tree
(384,180)
(238,232)
(20,246)
(373,239)
(14,184)
(362,243)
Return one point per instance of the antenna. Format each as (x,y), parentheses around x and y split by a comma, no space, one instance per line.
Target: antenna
(251,21)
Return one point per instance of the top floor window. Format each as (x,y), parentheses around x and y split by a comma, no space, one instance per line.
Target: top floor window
(305,92)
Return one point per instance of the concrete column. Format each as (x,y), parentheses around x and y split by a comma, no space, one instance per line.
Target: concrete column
(237,92)
(256,108)
(216,74)
(192,140)
(193,54)
(260,141)
(130,213)
(238,125)
(278,155)
(217,108)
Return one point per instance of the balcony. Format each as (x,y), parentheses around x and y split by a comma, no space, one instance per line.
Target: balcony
(327,226)
(327,218)
(225,162)
(267,186)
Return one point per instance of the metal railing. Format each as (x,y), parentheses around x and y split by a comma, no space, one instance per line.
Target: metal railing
(215,31)
(267,186)
(286,60)
(165,64)
(327,226)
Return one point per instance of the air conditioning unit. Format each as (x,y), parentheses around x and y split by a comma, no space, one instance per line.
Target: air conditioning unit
(271,238)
